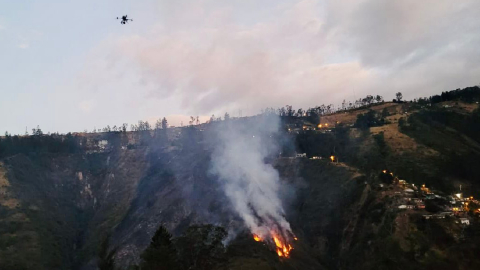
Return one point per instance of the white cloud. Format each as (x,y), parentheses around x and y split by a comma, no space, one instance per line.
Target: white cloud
(215,57)
(23,45)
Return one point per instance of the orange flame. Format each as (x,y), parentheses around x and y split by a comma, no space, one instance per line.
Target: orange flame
(283,249)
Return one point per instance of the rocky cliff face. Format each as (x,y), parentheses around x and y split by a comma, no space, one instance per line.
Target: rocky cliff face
(58,208)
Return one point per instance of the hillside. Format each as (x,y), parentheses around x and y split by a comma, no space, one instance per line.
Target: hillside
(74,201)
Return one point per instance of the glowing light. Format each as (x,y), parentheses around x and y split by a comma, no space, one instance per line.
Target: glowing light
(257,238)
(283,249)
(384,171)
(295,238)
(320,125)
(326,124)
(332,158)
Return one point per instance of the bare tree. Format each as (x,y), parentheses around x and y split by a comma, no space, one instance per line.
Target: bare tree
(399,96)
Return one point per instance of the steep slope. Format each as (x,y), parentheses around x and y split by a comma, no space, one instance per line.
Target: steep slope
(57,207)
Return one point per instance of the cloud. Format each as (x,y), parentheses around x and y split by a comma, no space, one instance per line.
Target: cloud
(23,45)
(214,57)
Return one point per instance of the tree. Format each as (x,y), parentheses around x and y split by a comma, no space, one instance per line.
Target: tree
(399,96)
(164,123)
(158,124)
(161,253)
(37,131)
(227,116)
(201,247)
(366,120)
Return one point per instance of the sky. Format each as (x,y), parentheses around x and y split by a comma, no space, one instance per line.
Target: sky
(71,66)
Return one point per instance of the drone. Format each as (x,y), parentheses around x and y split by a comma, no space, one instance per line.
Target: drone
(124,19)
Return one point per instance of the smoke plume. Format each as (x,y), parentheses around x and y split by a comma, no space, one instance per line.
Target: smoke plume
(250,183)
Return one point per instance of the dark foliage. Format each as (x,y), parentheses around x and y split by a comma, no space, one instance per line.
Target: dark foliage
(12,145)
(161,254)
(106,258)
(369,119)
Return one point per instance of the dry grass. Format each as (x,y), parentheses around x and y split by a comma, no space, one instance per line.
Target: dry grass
(349,117)
(400,142)
(5,199)
(10,203)
(3,178)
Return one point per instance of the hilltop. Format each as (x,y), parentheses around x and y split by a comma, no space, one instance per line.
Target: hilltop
(62,195)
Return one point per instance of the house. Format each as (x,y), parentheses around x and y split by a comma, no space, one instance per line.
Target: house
(102,144)
(417,200)
(403,206)
(448,213)
(301,155)
(421,206)
(465,221)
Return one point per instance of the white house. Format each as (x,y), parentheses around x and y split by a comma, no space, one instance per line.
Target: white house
(102,144)
(301,155)
(465,221)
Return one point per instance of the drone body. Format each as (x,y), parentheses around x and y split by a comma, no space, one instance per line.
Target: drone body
(124,19)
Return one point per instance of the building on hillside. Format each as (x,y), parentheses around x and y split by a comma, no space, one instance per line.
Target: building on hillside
(308,127)
(301,155)
(464,221)
(417,200)
(102,144)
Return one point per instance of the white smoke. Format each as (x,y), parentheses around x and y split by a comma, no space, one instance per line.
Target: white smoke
(251,184)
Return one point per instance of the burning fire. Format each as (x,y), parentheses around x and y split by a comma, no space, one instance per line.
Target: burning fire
(282,247)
